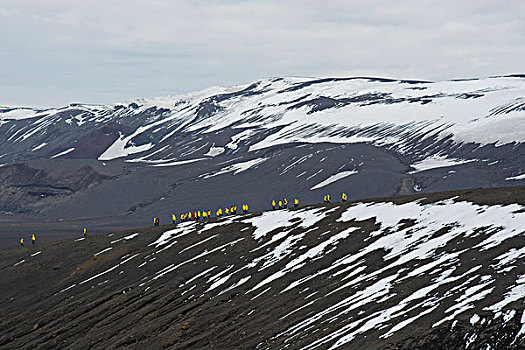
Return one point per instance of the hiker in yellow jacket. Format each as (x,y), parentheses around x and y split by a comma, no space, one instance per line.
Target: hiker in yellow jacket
(21,242)
(280,204)
(173,218)
(285,203)
(85,232)
(273,204)
(33,239)
(219,213)
(344,197)
(296,203)
(226,211)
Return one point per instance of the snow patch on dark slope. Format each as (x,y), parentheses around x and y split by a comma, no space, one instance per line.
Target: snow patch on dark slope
(439,271)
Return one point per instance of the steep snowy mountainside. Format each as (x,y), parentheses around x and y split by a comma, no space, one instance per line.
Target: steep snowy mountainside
(397,114)
(440,271)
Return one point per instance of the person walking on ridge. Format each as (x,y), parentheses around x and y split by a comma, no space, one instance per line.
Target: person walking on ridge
(296,203)
(21,242)
(273,204)
(85,232)
(33,239)
(344,197)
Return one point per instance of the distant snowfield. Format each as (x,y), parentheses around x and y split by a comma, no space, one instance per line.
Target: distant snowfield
(179,162)
(215,151)
(121,148)
(39,146)
(237,168)
(18,113)
(518,177)
(385,113)
(334,178)
(64,152)
(437,161)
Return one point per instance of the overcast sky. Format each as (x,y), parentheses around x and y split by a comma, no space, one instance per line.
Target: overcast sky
(56,52)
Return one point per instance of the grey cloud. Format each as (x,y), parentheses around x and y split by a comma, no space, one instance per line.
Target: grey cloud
(98,51)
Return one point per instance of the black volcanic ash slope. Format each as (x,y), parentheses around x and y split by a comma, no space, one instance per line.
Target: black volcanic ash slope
(442,271)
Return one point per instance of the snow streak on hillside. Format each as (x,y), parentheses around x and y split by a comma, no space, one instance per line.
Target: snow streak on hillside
(384,112)
(330,277)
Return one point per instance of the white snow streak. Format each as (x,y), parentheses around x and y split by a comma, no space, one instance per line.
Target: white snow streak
(334,178)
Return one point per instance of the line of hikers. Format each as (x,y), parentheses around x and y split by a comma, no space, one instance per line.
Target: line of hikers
(283,204)
(198,215)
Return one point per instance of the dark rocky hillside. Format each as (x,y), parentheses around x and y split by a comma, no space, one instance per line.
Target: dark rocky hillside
(428,271)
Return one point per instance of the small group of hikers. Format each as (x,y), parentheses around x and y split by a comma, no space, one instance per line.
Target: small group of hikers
(328,199)
(231,211)
(33,240)
(201,215)
(283,204)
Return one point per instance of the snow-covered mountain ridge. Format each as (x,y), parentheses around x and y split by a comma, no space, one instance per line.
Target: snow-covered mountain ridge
(282,110)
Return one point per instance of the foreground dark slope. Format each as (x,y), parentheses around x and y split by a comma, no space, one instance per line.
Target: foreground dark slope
(442,270)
